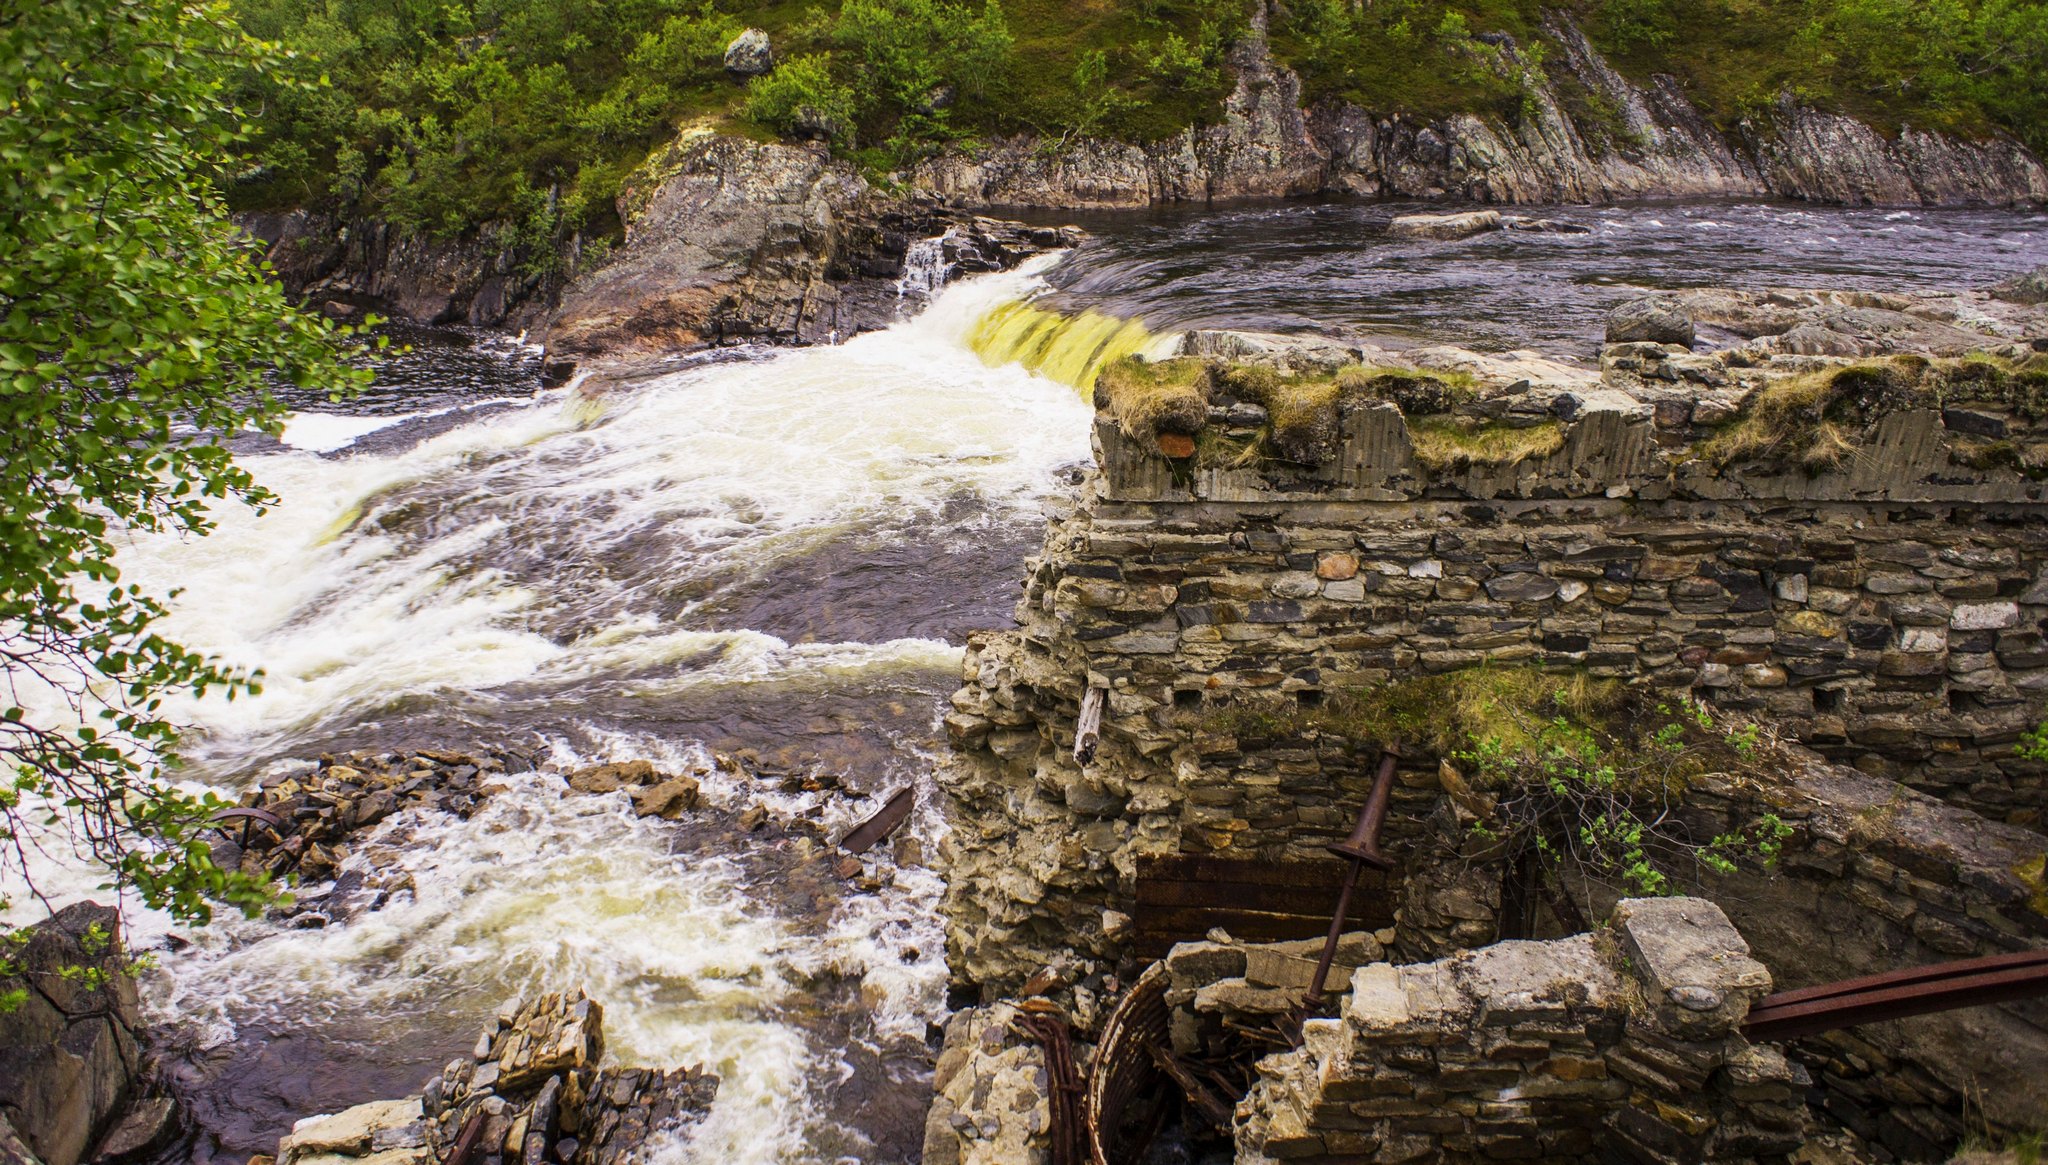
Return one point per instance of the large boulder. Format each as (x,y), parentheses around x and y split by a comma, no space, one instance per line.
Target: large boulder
(68,1053)
(2029,288)
(1445,226)
(1652,320)
(749,54)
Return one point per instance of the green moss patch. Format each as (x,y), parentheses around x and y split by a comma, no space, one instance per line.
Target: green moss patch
(1450,443)
(1814,420)
(1148,398)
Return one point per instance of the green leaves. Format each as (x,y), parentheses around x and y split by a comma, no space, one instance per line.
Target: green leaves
(136,327)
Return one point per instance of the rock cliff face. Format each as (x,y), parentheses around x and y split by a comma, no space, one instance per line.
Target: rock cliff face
(731,240)
(341,266)
(69,1054)
(1656,143)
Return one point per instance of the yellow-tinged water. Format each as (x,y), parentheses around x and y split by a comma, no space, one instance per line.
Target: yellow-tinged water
(1071,349)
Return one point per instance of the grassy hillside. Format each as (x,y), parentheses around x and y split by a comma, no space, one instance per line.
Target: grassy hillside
(441,114)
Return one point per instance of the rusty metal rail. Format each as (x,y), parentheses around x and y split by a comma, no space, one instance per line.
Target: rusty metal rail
(469,1141)
(1898,994)
(1043,1022)
(1125,1074)
(861,838)
(1362,849)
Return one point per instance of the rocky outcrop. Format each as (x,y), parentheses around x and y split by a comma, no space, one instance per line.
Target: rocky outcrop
(531,1092)
(1649,141)
(344,266)
(1262,148)
(70,1056)
(304,820)
(730,240)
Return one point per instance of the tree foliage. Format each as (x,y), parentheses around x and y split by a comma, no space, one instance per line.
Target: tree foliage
(136,327)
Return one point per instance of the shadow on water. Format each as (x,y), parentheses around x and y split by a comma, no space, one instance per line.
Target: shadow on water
(1333,265)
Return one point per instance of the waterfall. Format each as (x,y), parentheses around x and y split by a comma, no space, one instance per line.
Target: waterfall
(1071,349)
(779,552)
(924,266)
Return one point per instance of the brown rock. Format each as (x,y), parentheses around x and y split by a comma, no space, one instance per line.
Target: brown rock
(1336,566)
(1176,445)
(668,800)
(613,777)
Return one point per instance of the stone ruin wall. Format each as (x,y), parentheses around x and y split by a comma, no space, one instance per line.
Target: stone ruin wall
(1888,615)
(1622,1042)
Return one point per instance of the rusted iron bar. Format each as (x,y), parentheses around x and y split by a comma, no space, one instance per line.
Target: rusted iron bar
(1899,994)
(1124,1072)
(250,818)
(1204,1101)
(1362,849)
(1042,1021)
(861,838)
(468,1140)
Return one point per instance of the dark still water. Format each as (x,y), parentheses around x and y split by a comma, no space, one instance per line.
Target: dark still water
(1333,265)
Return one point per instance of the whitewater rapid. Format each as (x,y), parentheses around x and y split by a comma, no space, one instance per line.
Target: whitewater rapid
(576,569)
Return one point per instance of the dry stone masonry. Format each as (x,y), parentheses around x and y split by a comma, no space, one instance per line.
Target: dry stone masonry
(1812,527)
(1622,1042)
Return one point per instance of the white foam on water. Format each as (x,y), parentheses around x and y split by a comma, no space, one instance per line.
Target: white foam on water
(326,432)
(392,577)
(540,891)
(384,578)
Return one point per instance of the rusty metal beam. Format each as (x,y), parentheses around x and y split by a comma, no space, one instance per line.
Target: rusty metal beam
(468,1140)
(861,838)
(1043,1022)
(1363,849)
(1898,995)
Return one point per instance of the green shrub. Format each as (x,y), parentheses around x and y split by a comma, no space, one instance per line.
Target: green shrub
(801,98)
(1630,23)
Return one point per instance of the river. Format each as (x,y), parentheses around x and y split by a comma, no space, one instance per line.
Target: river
(776,551)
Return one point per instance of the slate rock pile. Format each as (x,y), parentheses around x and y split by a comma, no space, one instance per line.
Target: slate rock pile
(317,811)
(531,1093)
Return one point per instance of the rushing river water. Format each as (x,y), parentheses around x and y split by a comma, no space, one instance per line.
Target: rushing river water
(775,551)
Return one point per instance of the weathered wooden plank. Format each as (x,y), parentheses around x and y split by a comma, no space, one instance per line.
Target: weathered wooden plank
(1205,868)
(1248,896)
(1262,925)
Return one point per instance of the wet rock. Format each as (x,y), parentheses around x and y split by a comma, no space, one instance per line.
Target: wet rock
(2030,288)
(320,812)
(668,800)
(730,240)
(1548,226)
(68,1053)
(148,1126)
(749,54)
(610,778)
(1816,340)
(1444,227)
(355,1132)
(537,1091)
(1652,319)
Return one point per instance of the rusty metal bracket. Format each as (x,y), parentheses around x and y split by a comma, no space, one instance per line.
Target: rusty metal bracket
(1205,1102)
(861,838)
(1362,849)
(1898,994)
(250,818)
(1043,1022)
(467,1142)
